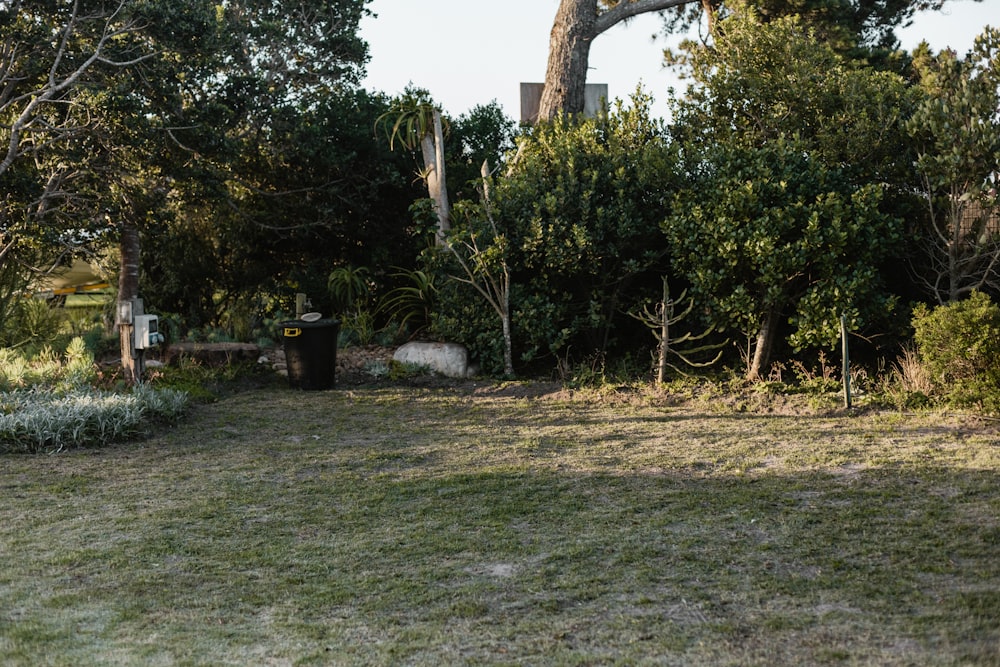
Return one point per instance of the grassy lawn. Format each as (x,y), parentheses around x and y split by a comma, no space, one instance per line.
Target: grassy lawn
(444,526)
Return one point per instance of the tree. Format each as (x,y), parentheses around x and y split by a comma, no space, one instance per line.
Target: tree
(579,211)
(856,29)
(277,217)
(764,81)
(146,110)
(769,233)
(416,123)
(50,52)
(577,24)
(47,55)
(54,56)
(661,319)
(485,133)
(956,128)
(794,154)
(854,25)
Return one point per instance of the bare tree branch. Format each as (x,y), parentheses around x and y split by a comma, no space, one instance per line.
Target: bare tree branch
(628,9)
(56,83)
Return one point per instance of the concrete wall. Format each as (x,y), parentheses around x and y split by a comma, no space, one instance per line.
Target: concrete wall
(595,98)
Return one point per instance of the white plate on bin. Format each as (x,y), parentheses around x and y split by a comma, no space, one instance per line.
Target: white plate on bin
(311,317)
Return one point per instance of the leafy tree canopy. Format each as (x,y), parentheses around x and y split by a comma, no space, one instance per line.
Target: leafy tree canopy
(771,232)
(860,29)
(790,150)
(178,108)
(956,128)
(854,28)
(579,207)
(765,81)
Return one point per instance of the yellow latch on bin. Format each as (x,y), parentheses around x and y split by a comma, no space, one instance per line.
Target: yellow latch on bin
(292,332)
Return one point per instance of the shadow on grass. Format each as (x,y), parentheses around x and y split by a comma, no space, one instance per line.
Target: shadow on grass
(427,527)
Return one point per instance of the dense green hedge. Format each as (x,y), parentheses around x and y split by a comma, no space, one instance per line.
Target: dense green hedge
(959,345)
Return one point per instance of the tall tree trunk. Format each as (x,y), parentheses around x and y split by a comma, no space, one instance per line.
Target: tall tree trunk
(569,53)
(432,150)
(576,24)
(708,8)
(128,292)
(765,342)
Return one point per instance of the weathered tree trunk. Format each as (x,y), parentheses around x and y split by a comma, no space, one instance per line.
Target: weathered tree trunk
(432,149)
(708,8)
(576,24)
(569,52)
(765,342)
(128,292)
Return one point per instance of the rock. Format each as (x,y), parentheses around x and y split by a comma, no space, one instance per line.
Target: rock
(448,359)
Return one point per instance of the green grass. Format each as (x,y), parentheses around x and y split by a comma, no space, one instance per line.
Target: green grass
(436,526)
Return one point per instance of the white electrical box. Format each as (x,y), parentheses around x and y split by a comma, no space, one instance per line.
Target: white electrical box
(147,332)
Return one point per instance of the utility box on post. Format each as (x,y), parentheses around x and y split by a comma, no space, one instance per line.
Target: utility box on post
(146,331)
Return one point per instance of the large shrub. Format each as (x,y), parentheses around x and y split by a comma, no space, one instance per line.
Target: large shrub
(773,235)
(579,209)
(959,345)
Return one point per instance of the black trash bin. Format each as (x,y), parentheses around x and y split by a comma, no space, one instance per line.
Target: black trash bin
(310,352)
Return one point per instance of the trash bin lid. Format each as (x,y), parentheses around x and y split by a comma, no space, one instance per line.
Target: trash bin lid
(318,324)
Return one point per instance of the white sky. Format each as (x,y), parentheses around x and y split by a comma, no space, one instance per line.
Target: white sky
(471,52)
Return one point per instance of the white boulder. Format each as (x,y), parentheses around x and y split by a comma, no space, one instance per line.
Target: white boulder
(448,359)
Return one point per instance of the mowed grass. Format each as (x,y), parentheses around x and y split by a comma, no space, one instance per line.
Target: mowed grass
(412,526)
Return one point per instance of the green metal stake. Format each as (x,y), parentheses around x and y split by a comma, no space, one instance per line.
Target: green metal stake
(847,362)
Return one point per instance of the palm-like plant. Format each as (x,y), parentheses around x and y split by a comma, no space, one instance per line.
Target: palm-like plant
(415,121)
(411,302)
(349,287)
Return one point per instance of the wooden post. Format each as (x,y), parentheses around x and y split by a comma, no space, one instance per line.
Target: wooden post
(125,332)
(133,360)
(847,362)
(666,313)
(129,303)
